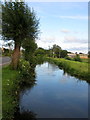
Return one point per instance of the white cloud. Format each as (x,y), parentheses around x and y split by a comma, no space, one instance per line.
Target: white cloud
(70,43)
(45,42)
(65,31)
(48,39)
(75,47)
(73,39)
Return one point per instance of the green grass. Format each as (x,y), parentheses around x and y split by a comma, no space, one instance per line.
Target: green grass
(85,60)
(9,92)
(12,83)
(0,92)
(74,68)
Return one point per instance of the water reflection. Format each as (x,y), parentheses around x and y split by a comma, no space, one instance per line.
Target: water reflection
(56,94)
(25,115)
(27,82)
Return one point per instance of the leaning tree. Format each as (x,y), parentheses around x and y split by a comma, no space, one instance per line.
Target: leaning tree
(18,23)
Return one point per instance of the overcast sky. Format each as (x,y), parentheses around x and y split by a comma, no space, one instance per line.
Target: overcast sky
(64,24)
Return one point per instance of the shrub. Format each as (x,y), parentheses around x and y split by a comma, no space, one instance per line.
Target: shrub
(68,58)
(63,53)
(24,67)
(77,58)
(26,74)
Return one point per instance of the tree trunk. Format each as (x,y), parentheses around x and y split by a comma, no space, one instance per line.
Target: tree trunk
(15,56)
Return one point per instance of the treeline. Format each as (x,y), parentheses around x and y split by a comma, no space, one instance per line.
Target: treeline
(56,52)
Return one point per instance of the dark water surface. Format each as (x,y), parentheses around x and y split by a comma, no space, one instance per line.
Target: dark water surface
(55,95)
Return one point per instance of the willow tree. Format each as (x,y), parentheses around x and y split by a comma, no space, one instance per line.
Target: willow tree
(18,23)
(29,49)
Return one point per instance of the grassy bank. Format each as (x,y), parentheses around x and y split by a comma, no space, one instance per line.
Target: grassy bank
(85,60)
(14,81)
(9,92)
(74,68)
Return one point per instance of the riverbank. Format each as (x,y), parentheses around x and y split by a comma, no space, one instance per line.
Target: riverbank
(14,81)
(74,68)
(9,92)
(12,84)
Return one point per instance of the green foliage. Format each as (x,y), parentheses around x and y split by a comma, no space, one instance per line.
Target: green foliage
(63,53)
(40,52)
(85,60)
(77,58)
(24,67)
(7,52)
(29,49)
(18,22)
(12,83)
(40,59)
(88,54)
(74,68)
(9,92)
(26,74)
(68,58)
(56,50)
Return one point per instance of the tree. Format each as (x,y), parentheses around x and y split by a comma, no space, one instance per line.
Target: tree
(56,50)
(63,53)
(29,49)
(18,23)
(77,58)
(88,54)
(40,52)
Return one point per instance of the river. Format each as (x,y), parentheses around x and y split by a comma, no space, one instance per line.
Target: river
(55,95)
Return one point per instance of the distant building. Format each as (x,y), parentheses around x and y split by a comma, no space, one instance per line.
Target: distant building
(85,56)
(71,55)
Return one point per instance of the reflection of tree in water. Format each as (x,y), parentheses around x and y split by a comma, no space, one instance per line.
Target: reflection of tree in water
(25,115)
(67,74)
(26,82)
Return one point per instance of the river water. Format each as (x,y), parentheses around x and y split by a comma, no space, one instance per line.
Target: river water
(55,95)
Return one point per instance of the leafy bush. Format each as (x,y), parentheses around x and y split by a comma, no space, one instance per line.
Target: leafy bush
(68,58)
(77,58)
(24,67)
(63,53)
(26,74)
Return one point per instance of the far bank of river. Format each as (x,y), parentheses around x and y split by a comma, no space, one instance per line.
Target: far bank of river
(80,70)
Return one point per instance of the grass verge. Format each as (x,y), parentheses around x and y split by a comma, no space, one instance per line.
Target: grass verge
(9,92)
(74,68)
(12,83)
